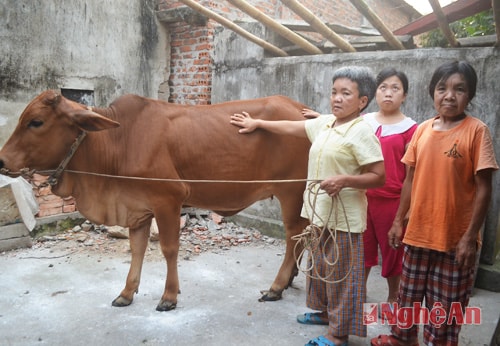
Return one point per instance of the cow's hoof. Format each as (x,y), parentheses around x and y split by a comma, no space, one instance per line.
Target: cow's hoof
(270,296)
(166,306)
(121,302)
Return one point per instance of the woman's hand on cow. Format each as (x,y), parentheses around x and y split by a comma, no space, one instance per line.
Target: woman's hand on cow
(245,121)
(309,113)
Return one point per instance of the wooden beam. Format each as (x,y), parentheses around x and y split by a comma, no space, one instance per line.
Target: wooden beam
(496,14)
(338,28)
(443,23)
(375,20)
(318,25)
(237,29)
(454,11)
(275,26)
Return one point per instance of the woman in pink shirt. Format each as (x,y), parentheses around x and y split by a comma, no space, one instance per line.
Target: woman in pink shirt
(394,130)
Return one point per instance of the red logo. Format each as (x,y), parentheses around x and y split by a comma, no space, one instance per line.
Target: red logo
(370,313)
(406,317)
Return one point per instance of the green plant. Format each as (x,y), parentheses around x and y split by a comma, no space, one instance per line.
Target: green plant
(480,24)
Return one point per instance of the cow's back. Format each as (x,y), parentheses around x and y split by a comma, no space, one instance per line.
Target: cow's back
(205,146)
(196,147)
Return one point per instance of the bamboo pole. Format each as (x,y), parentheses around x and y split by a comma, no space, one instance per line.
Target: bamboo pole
(237,29)
(443,23)
(277,27)
(375,20)
(496,13)
(318,25)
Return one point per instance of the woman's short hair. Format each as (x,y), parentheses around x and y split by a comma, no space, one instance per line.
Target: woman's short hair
(390,72)
(444,71)
(362,76)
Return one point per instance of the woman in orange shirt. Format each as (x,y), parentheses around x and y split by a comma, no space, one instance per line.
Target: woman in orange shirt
(447,190)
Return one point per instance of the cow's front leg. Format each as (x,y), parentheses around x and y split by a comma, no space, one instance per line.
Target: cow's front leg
(168,228)
(138,238)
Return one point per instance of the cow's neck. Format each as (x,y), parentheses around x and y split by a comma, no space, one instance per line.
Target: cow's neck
(54,177)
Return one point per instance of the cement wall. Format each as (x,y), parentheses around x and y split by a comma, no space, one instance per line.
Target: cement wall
(242,72)
(112,47)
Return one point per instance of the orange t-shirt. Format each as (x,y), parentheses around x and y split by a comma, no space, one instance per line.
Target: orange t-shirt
(443,190)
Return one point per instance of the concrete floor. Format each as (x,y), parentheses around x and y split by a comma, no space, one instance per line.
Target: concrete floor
(50,297)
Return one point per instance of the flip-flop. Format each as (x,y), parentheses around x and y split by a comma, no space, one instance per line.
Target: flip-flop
(322,341)
(386,340)
(311,318)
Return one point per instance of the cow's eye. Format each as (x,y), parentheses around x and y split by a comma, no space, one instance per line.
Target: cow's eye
(35,123)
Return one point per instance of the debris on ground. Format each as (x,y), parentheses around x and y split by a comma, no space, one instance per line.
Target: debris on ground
(200,231)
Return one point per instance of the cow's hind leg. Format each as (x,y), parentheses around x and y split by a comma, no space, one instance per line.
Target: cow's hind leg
(138,238)
(168,227)
(294,225)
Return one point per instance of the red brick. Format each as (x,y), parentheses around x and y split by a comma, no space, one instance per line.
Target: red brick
(69,208)
(49,212)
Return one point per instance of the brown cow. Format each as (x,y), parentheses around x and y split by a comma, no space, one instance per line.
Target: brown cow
(172,144)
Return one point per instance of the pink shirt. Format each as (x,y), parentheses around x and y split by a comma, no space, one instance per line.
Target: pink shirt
(393,138)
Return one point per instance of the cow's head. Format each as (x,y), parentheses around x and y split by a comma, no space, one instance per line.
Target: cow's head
(46,129)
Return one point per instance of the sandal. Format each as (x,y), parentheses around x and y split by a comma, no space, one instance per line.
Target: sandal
(311,318)
(322,341)
(387,340)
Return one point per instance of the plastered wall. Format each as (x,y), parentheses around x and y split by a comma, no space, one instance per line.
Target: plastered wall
(243,72)
(112,47)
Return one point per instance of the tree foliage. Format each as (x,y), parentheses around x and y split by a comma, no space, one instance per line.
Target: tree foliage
(480,24)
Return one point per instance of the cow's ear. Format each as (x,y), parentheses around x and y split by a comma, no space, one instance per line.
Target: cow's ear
(90,121)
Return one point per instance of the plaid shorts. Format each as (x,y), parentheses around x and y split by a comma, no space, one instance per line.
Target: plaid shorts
(436,277)
(343,300)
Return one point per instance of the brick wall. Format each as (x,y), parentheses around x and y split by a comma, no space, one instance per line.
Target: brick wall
(191,64)
(191,60)
(50,204)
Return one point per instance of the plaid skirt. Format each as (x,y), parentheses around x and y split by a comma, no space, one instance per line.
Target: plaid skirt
(340,260)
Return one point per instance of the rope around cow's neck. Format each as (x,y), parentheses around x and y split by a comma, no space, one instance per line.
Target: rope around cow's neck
(311,238)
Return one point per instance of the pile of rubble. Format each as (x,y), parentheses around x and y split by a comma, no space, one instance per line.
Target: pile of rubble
(200,231)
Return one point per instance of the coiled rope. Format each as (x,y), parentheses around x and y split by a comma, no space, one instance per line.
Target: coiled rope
(315,239)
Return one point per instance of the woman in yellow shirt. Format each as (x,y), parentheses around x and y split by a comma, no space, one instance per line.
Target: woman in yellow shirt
(346,158)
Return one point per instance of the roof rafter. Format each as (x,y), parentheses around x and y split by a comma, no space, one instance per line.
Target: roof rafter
(375,20)
(237,29)
(443,23)
(454,11)
(318,25)
(275,26)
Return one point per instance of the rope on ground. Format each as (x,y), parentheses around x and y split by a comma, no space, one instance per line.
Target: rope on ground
(316,239)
